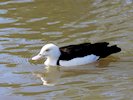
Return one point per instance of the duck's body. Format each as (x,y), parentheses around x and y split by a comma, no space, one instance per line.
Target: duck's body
(74,55)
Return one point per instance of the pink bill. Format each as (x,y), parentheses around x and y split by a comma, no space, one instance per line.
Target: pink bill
(36,57)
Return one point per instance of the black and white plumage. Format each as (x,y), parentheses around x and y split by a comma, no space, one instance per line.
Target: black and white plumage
(74,55)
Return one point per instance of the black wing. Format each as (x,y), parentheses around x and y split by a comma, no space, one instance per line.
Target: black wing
(99,49)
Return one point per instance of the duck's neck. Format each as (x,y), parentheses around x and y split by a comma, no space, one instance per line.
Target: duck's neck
(53,58)
(51,61)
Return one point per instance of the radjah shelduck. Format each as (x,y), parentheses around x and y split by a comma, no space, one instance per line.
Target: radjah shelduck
(73,55)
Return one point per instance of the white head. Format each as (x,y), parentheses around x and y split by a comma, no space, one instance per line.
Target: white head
(49,51)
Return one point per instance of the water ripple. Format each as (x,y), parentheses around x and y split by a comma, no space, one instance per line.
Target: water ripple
(15,1)
(3,11)
(6,20)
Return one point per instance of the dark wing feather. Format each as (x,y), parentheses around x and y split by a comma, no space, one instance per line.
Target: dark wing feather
(72,51)
(99,49)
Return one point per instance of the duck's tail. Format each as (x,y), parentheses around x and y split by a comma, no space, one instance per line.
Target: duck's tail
(110,50)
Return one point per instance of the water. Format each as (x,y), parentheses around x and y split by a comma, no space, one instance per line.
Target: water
(26,25)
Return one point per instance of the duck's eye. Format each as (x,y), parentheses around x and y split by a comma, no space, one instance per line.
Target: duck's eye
(47,50)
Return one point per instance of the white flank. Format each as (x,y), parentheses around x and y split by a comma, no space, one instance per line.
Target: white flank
(79,61)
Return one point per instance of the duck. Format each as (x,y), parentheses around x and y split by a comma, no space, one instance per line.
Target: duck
(77,54)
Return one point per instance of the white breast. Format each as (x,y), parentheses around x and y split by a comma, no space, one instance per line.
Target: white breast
(79,60)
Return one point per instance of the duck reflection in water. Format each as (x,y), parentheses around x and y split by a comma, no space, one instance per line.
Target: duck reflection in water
(50,75)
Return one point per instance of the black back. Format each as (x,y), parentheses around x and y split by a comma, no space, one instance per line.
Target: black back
(99,49)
